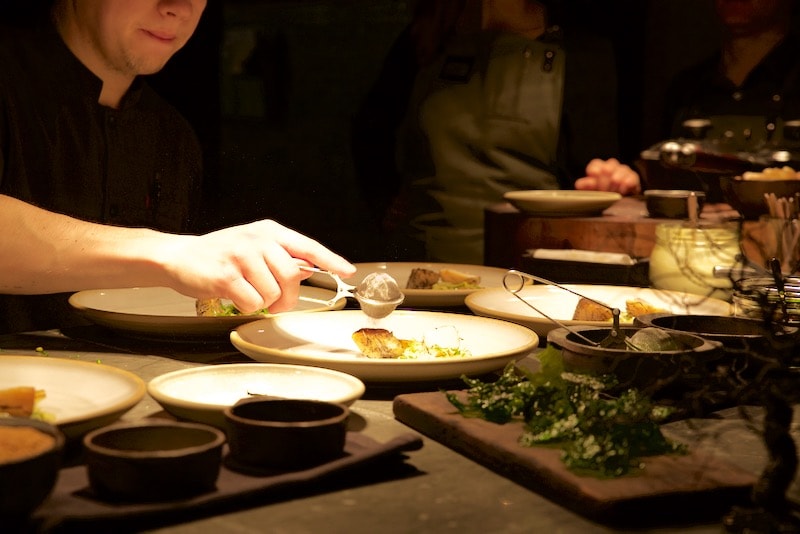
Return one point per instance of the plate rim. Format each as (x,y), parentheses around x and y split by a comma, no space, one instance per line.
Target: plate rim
(359,387)
(139,385)
(184,327)
(373,369)
(429,297)
(511,316)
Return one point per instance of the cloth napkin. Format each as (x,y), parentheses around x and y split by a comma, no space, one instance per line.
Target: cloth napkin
(589,256)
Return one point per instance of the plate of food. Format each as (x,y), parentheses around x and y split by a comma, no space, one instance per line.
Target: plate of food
(163,313)
(201,394)
(402,347)
(562,202)
(571,309)
(76,396)
(426,284)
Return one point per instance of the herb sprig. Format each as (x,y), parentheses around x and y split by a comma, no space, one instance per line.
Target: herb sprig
(599,434)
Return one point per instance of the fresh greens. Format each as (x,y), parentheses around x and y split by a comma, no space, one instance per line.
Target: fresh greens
(599,434)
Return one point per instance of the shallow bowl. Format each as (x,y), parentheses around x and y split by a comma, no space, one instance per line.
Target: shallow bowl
(284,434)
(736,333)
(30,457)
(747,196)
(651,371)
(671,203)
(153,460)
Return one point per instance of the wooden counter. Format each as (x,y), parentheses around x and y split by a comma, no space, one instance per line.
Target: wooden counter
(624,227)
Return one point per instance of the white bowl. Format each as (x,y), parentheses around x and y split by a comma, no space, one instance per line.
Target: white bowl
(201,394)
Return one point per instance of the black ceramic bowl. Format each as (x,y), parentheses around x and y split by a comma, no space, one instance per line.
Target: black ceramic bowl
(735,333)
(27,473)
(671,203)
(284,434)
(153,460)
(747,196)
(685,364)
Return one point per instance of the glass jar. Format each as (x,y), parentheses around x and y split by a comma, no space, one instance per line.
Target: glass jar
(684,257)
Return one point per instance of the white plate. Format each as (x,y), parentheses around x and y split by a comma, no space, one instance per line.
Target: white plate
(560,304)
(202,393)
(325,340)
(162,313)
(562,202)
(80,396)
(400,271)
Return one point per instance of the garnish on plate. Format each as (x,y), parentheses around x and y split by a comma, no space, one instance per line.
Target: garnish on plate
(599,434)
(23,401)
(441,342)
(216,307)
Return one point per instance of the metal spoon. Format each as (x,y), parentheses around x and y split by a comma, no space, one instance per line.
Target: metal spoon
(377,294)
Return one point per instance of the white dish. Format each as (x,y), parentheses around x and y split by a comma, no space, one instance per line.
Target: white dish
(560,304)
(162,313)
(79,396)
(312,339)
(400,271)
(202,393)
(561,202)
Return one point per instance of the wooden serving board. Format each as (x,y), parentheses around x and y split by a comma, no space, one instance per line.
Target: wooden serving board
(696,486)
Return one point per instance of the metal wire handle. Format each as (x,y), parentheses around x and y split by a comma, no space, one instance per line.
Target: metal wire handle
(342,289)
(616,333)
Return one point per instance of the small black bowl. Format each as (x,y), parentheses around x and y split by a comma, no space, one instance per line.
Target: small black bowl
(26,480)
(284,434)
(737,333)
(153,460)
(671,203)
(685,364)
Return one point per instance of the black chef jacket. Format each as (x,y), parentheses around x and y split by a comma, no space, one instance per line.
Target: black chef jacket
(139,165)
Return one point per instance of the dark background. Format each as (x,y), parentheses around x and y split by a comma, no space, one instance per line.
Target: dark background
(271,85)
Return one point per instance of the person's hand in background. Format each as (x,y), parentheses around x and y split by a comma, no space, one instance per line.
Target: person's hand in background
(609,175)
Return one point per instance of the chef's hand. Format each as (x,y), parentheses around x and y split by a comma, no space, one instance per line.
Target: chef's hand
(609,175)
(255,265)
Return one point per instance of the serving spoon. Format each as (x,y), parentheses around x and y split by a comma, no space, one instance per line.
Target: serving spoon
(378,294)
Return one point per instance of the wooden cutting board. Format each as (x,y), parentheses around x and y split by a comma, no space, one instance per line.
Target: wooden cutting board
(670,488)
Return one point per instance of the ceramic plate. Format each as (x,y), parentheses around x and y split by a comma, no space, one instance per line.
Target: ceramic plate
(560,304)
(421,298)
(202,393)
(554,203)
(79,396)
(325,340)
(162,313)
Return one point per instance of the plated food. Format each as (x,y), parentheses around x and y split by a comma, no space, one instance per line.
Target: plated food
(201,394)
(80,396)
(560,305)
(164,314)
(454,281)
(325,340)
(21,401)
